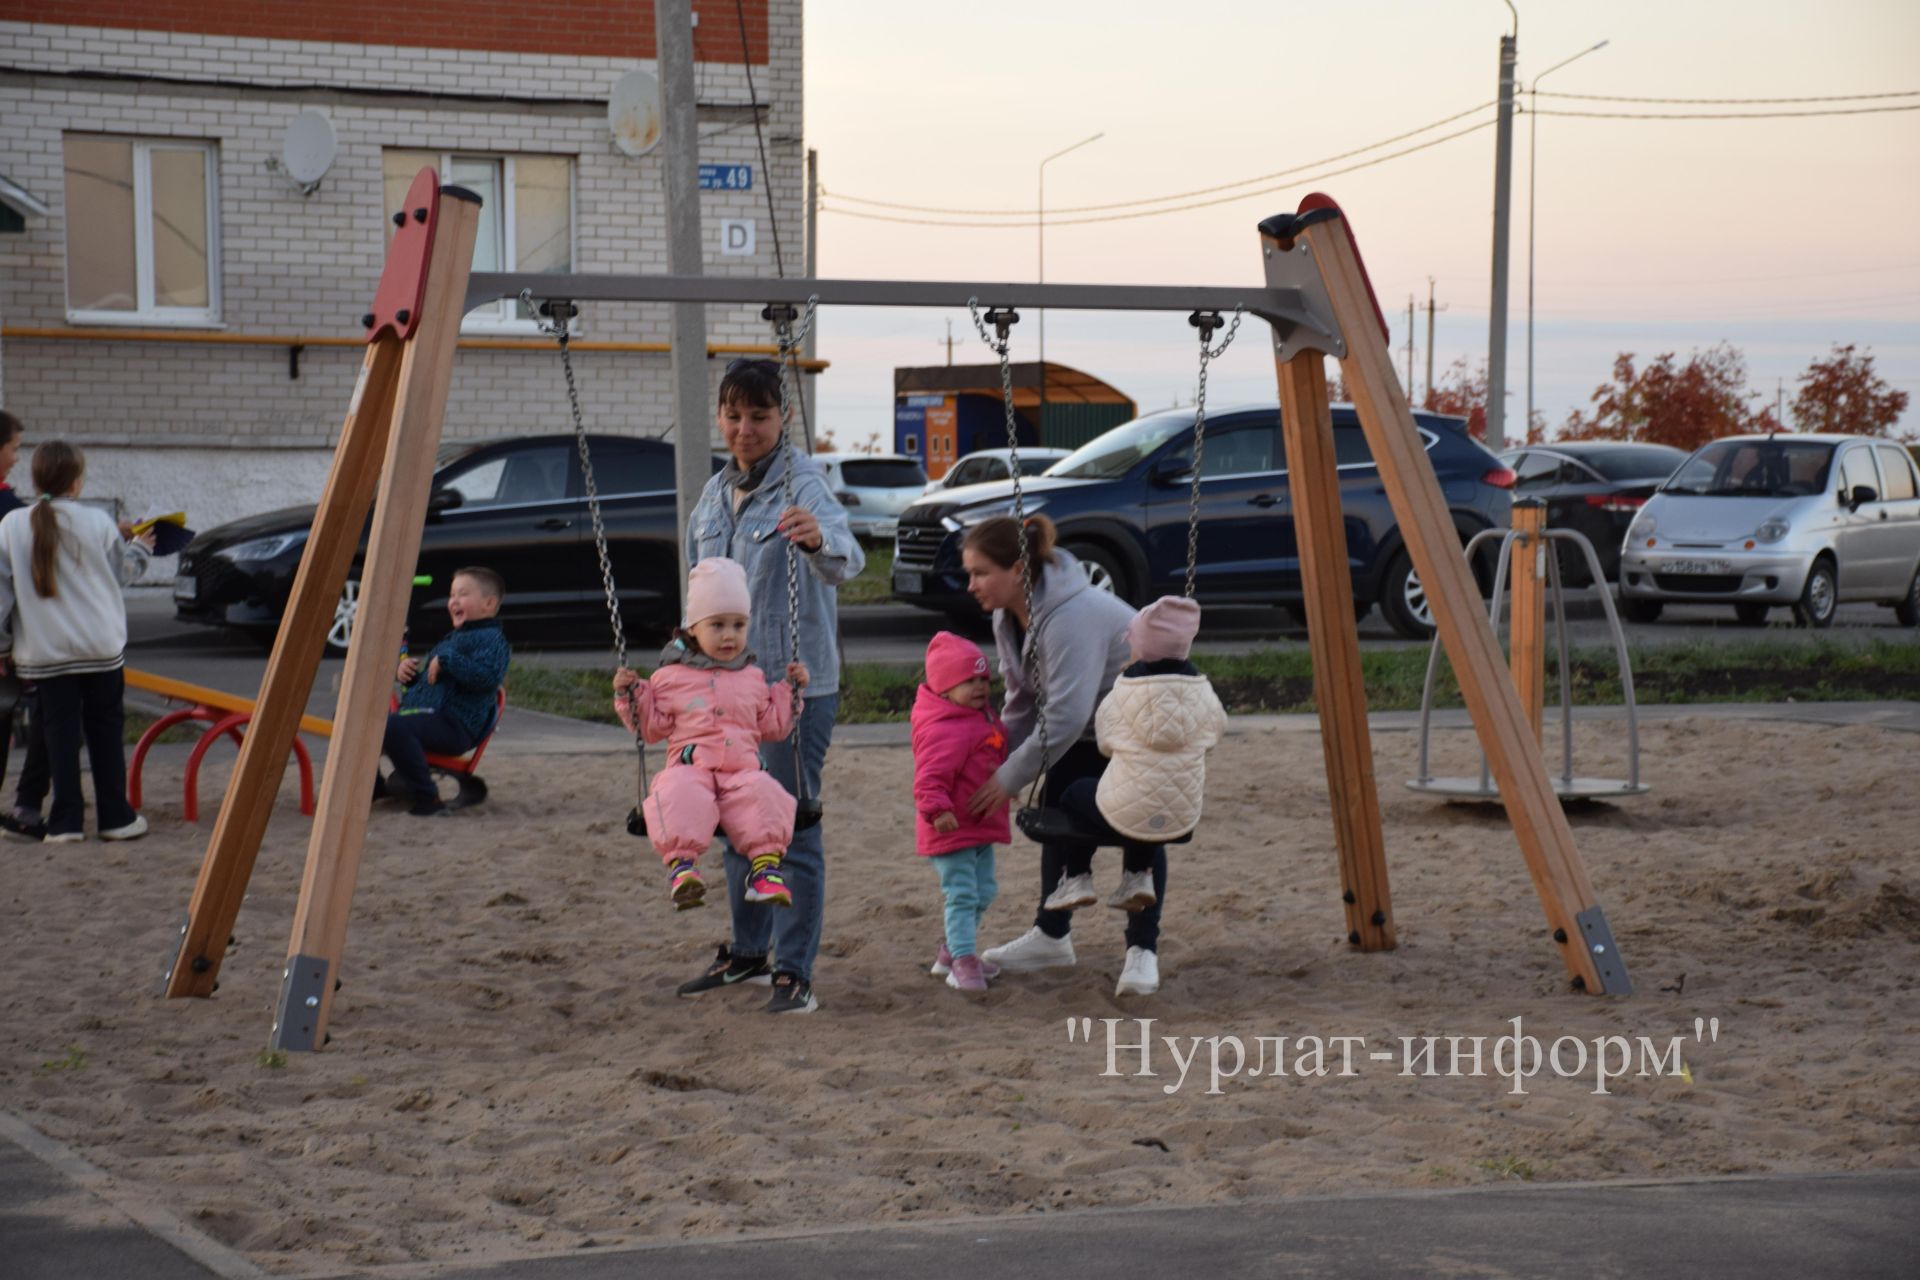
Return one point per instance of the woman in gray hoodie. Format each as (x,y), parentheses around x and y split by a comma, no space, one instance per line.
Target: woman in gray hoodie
(1079,634)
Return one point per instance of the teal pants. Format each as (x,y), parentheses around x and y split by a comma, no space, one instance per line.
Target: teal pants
(966,879)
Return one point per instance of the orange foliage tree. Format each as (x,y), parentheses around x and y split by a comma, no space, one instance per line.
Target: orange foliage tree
(1462,393)
(1843,394)
(1683,405)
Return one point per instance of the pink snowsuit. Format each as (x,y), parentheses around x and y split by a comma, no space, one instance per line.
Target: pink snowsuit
(713,720)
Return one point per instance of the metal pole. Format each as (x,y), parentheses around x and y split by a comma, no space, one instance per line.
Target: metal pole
(1502,181)
(1409,346)
(1429,399)
(809,382)
(1040,221)
(1533,154)
(673,35)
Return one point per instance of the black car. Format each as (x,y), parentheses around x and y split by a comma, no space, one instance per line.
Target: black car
(1595,487)
(517,506)
(1120,503)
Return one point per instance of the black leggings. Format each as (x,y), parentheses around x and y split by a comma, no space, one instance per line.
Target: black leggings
(85,710)
(1083,762)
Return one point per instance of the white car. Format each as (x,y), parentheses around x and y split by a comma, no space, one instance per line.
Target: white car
(983,466)
(874,488)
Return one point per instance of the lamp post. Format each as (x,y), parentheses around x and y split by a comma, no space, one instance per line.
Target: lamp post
(1040,420)
(1502,182)
(1533,157)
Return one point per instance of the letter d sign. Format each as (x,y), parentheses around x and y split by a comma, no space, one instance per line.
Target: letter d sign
(736,237)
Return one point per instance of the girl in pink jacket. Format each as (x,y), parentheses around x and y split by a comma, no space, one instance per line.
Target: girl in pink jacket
(713,706)
(958,742)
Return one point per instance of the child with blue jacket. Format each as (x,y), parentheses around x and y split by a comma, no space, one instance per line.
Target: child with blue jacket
(451,698)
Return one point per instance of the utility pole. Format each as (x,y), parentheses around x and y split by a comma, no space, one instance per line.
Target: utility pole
(1409,347)
(1502,181)
(673,37)
(808,380)
(1430,309)
(949,342)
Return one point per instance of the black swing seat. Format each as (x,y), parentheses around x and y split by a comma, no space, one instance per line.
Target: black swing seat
(806,814)
(1057,826)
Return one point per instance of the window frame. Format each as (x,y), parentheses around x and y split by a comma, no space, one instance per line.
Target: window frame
(1880,455)
(146,314)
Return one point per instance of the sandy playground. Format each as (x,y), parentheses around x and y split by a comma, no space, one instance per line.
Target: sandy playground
(511,1073)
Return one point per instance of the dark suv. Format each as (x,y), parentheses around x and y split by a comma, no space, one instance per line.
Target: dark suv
(1120,503)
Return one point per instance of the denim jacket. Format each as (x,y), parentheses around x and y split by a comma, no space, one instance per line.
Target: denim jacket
(750,536)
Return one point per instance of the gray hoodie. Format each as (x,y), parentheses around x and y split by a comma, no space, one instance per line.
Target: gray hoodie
(1082,634)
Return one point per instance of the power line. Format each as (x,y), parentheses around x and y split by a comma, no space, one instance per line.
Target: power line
(1178,195)
(1726,115)
(1729,102)
(1154,213)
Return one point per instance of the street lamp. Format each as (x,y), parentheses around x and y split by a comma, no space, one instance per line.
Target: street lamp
(1533,154)
(1041,420)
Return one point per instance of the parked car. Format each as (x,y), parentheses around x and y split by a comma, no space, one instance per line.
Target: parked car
(1808,521)
(1120,503)
(874,488)
(517,506)
(1594,487)
(983,465)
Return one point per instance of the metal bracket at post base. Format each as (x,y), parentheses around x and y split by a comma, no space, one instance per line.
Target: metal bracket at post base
(1607,961)
(303,988)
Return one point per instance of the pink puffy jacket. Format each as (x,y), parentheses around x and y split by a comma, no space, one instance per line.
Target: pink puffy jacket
(955,750)
(723,715)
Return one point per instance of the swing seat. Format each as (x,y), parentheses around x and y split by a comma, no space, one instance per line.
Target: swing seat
(1056,826)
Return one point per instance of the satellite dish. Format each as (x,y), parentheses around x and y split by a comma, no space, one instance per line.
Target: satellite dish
(633,113)
(308,149)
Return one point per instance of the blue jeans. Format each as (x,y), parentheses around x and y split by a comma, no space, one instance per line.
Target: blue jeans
(792,933)
(967,883)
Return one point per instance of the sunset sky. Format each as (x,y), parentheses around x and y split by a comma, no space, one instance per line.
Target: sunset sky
(1781,236)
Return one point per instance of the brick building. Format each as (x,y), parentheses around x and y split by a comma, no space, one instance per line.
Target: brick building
(184,312)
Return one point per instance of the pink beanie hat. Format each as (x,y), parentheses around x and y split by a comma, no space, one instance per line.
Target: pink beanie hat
(953,660)
(716,585)
(1164,629)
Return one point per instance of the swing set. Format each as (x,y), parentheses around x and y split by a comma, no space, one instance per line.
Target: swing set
(1318,302)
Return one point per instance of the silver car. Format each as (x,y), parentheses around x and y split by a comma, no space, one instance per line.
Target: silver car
(874,488)
(1807,521)
(984,466)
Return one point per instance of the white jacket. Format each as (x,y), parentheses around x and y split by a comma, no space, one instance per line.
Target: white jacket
(83,628)
(1158,729)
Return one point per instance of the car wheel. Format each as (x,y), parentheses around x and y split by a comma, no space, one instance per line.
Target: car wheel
(1635,609)
(340,634)
(1908,610)
(1819,598)
(1102,567)
(1751,615)
(1404,601)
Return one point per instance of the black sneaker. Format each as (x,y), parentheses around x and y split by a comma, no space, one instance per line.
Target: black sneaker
(791,994)
(14,825)
(729,970)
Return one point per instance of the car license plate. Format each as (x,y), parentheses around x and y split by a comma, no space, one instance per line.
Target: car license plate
(1697,566)
(906,584)
(186,588)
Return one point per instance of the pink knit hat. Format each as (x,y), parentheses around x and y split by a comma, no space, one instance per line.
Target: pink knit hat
(1164,629)
(953,660)
(716,585)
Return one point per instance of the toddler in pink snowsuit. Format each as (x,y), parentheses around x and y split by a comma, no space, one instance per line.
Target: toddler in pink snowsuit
(713,706)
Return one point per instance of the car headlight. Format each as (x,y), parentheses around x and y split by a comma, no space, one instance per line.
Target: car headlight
(264,548)
(1643,525)
(1773,530)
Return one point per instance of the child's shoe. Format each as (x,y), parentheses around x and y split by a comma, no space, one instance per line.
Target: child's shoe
(1071,892)
(1135,892)
(768,885)
(943,964)
(132,831)
(686,887)
(967,975)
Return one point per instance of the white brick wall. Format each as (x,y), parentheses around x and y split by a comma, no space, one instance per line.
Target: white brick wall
(309,266)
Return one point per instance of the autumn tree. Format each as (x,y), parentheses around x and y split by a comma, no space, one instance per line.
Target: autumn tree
(823,443)
(1683,405)
(1462,393)
(1843,394)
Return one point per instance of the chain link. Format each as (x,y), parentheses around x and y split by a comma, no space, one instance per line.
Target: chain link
(1207,354)
(789,339)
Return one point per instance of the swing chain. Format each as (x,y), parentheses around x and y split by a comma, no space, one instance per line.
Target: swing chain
(1206,322)
(789,339)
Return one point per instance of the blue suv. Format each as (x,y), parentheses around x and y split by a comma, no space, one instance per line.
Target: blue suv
(1120,503)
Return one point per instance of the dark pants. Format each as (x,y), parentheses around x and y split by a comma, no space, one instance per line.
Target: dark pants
(36,777)
(1084,763)
(410,735)
(86,709)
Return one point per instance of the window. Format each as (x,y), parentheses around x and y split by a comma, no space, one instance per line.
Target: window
(141,240)
(1350,446)
(912,445)
(526,475)
(1248,448)
(1635,462)
(1856,469)
(1898,473)
(532,231)
(883,473)
(624,469)
(1537,471)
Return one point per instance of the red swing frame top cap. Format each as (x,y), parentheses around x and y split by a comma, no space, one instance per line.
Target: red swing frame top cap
(1321,207)
(396,303)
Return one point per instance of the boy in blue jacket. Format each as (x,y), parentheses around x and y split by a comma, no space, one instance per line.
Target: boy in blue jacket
(451,700)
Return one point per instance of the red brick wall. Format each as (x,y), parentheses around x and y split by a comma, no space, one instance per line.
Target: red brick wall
(605,28)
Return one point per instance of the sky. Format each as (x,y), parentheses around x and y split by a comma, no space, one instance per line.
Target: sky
(1780,236)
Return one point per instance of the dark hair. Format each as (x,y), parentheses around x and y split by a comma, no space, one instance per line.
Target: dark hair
(490,582)
(11,428)
(998,539)
(751,381)
(57,468)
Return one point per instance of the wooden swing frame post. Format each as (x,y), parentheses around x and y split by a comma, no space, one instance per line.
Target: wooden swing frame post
(1527,633)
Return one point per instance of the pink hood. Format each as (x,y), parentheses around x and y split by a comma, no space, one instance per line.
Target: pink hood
(955,750)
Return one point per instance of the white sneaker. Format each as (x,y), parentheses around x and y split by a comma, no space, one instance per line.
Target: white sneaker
(1135,892)
(64,837)
(1071,892)
(1032,950)
(132,831)
(1140,976)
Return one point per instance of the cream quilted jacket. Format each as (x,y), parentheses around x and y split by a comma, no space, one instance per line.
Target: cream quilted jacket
(1158,729)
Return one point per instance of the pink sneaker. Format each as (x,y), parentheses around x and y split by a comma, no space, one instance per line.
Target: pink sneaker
(769,886)
(686,887)
(943,964)
(967,974)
